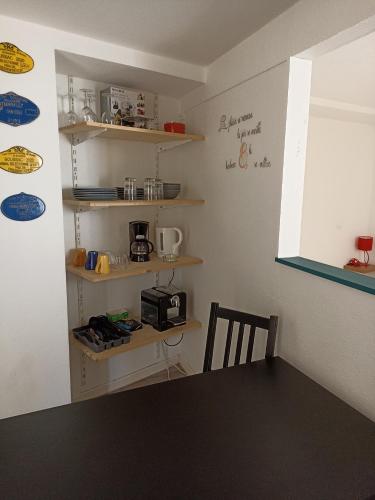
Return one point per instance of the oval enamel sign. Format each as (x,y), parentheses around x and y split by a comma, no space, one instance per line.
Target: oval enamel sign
(19,160)
(16,110)
(14,60)
(23,207)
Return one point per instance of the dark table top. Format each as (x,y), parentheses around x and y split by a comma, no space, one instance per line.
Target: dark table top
(259,431)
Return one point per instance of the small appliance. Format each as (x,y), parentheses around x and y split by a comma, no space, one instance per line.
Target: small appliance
(163,307)
(140,247)
(168,241)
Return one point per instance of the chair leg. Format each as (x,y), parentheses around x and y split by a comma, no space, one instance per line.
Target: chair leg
(271,340)
(210,337)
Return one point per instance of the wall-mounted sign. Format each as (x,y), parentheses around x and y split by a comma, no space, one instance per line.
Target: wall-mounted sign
(23,207)
(16,110)
(13,60)
(245,133)
(19,160)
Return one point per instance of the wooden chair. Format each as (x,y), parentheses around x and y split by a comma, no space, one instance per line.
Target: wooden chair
(243,319)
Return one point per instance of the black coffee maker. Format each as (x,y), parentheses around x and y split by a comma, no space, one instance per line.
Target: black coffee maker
(140,247)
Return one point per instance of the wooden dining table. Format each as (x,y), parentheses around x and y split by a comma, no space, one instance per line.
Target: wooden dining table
(257,431)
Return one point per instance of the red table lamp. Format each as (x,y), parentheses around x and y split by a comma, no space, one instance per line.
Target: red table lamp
(364,243)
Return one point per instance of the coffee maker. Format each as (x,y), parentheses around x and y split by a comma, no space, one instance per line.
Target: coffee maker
(140,247)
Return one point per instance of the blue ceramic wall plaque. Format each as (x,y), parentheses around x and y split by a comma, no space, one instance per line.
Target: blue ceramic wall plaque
(23,207)
(16,110)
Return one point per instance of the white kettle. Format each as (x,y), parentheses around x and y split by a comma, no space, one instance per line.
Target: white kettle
(168,241)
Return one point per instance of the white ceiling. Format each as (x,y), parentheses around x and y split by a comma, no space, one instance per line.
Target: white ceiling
(347,74)
(121,74)
(196,31)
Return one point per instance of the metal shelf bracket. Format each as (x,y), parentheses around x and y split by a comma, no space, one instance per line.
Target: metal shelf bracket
(80,138)
(167,146)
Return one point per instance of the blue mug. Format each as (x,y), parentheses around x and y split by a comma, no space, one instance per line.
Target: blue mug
(92,259)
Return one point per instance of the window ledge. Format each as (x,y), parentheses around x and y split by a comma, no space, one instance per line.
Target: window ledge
(344,277)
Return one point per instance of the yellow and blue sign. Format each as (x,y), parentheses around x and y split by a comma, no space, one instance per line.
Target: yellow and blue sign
(14,60)
(17,110)
(20,160)
(23,207)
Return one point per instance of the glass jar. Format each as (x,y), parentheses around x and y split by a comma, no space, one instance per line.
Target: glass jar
(130,188)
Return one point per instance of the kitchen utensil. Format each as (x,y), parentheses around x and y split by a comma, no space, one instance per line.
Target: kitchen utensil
(140,249)
(130,188)
(159,191)
(91,261)
(149,188)
(103,266)
(138,230)
(87,114)
(176,127)
(168,241)
(78,257)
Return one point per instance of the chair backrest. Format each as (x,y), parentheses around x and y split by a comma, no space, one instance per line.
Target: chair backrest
(269,324)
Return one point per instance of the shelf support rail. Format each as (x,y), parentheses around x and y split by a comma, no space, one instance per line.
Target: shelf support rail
(77,228)
(84,136)
(167,146)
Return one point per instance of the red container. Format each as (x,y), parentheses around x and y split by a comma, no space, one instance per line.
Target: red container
(177,127)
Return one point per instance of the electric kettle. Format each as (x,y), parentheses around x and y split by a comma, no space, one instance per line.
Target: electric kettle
(168,241)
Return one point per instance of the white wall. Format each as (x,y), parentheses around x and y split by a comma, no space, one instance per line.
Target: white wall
(34,372)
(316,334)
(326,330)
(338,192)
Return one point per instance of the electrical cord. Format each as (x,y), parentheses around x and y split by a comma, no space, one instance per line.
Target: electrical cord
(168,366)
(172,278)
(165,354)
(174,345)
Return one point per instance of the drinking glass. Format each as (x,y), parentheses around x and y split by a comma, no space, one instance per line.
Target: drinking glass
(130,188)
(87,114)
(71,118)
(148,185)
(108,116)
(158,189)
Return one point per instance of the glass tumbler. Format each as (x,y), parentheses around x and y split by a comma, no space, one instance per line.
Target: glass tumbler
(149,188)
(130,188)
(159,191)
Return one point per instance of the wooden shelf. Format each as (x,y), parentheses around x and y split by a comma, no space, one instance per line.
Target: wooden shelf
(370,268)
(132,203)
(140,338)
(133,269)
(92,129)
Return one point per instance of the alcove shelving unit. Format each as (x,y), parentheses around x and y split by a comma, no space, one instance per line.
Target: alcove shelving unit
(87,205)
(164,141)
(154,265)
(88,130)
(140,338)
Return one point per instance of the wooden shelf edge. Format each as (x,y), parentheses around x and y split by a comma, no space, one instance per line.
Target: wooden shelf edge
(370,268)
(140,338)
(119,131)
(132,203)
(134,269)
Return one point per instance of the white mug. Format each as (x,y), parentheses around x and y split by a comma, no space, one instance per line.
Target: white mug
(168,241)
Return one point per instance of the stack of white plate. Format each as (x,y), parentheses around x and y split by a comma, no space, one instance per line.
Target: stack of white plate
(95,193)
(171,190)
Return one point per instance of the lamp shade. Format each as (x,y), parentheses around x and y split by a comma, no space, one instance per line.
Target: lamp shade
(364,243)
